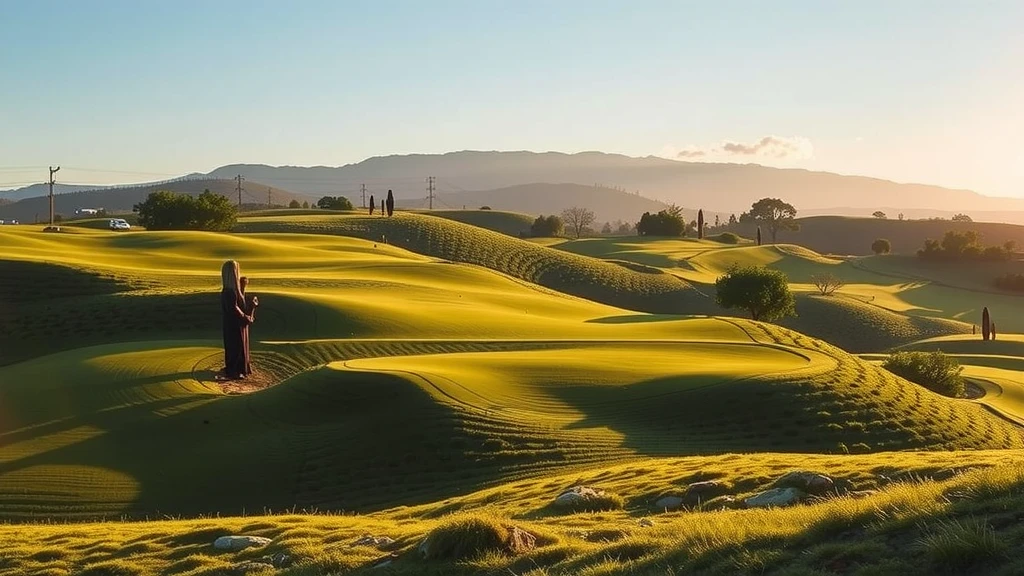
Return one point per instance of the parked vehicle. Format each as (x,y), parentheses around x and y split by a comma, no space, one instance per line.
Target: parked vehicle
(119,224)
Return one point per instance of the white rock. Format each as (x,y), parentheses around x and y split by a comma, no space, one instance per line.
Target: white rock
(374,541)
(577,494)
(235,543)
(776,497)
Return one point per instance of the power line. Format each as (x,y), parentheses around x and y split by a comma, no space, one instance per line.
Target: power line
(238,187)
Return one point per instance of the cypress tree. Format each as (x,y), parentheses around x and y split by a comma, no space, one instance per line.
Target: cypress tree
(700,224)
(373,204)
(758,235)
(993,330)
(391,203)
(383,212)
(986,324)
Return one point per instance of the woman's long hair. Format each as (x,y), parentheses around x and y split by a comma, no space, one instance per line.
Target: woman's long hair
(229,274)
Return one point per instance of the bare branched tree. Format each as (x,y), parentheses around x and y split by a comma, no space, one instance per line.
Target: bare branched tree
(577,219)
(827,283)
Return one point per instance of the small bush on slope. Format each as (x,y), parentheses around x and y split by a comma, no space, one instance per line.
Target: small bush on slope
(933,370)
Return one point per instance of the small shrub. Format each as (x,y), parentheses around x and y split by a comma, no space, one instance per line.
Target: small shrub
(294,204)
(726,238)
(933,370)
(881,246)
(958,546)
(472,536)
(603,502)
(1008,281)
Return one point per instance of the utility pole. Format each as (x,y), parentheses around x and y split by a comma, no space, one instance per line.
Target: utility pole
(238,188)
(364,195)
(269,203)
(52,172)
(430,190)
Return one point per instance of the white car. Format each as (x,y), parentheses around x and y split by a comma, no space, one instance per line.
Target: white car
(119,224)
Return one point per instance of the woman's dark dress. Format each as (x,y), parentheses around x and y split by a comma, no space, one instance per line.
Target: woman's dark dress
(236,352)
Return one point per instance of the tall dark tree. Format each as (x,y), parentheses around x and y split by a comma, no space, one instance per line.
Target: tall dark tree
(391,203)
(700,224)
(993,328)
(758,235)
(383,210)
(986,324)
(373,204)
(774,213)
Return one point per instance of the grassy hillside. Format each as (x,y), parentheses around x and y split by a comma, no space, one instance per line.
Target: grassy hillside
(635,288)
(511,223)
(847,235)
(116,200)
(960,525)
(485,412)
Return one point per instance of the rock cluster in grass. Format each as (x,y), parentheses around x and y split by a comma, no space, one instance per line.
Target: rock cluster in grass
(374,541)
(789,489)
(587,499)
(236,543)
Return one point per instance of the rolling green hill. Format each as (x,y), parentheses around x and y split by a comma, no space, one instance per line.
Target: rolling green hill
(643,289)
(511,223)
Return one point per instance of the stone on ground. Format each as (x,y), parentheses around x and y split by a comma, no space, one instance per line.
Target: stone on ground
(776,498)
(809,482)
(236,543)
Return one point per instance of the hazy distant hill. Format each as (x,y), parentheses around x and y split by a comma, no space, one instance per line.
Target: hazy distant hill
(122,199)
(716,187)
(42,190)
(606,203)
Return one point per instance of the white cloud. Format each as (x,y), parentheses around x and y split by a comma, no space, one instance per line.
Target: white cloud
(772,147)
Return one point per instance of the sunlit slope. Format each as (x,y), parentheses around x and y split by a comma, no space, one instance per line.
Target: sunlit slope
(510,223)
(642,289)
(92,287)
(880,295)
(130,428)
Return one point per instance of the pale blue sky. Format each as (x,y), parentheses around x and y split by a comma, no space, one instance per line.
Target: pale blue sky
(926,90)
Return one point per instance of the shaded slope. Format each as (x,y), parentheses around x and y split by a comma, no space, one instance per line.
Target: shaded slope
(510,223)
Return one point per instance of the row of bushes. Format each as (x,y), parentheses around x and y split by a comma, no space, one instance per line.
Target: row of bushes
(965,246)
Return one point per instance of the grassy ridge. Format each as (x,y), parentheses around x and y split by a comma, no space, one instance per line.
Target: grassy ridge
(510,223)
(916,528)
(589,278)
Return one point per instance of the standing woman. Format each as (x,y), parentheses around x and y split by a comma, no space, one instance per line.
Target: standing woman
(233,321)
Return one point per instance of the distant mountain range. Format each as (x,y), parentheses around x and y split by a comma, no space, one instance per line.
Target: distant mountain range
(607,204)
(516,180)
(122,199)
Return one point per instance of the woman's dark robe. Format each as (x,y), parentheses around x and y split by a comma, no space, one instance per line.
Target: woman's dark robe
(234,327)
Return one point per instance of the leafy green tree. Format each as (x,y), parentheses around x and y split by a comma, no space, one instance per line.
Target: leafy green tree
(773,213)
(761,291)
(166,210)
(547,226)
(305,204)
(664,223)
(334,203)
(933,370)
(294,204)
(962,218)
(879,214)
(881,246)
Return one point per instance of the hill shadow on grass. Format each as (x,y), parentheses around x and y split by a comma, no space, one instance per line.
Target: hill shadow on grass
(635,318)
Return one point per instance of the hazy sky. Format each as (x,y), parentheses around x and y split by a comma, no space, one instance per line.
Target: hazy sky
(926,91)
